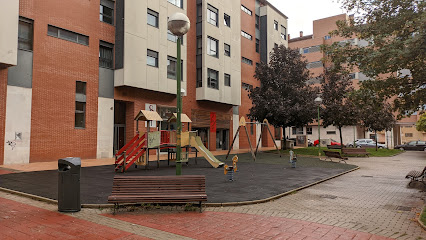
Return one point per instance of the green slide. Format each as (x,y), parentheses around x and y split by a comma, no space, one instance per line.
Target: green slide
(198,144)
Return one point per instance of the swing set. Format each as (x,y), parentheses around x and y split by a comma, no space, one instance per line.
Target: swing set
(243,123)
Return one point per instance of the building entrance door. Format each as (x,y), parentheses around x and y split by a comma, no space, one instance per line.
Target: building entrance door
(222,139)
(119,125)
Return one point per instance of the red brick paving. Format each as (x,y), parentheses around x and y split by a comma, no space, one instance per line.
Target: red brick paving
(21,221)
(4,171)
(221,225)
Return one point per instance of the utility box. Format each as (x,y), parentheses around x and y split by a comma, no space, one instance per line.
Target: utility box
(69,184)
(289,144)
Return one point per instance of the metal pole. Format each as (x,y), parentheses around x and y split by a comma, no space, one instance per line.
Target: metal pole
(319,133)
(179,111)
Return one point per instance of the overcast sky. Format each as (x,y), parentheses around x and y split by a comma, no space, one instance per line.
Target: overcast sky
(301,13)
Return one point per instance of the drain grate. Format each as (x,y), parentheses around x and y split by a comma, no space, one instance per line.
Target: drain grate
(404,208)
(328,196)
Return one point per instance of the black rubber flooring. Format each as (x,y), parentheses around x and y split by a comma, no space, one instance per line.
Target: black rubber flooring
(268,176)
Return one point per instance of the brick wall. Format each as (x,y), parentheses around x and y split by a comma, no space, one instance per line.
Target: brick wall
(57,65)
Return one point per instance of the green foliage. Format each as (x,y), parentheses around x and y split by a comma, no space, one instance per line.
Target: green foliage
(423,216)
(338,110)
(421,124)
(395,35)
(283,97)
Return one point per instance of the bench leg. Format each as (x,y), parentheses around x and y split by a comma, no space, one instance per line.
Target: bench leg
(201,207)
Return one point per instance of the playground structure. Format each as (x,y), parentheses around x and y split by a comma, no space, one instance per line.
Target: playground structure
(136,151)
(243,123)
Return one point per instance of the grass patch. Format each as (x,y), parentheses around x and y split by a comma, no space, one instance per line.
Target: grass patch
(423,216)
(313,151)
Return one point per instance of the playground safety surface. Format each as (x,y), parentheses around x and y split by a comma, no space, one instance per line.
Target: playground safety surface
(268,176)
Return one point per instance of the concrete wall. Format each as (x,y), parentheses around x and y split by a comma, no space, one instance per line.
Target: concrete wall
(138,37)
(347,133)
(18,125)
(105,132)
(223,64)
(9,15)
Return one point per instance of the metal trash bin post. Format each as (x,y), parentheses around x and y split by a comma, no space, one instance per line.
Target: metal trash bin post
(69,184)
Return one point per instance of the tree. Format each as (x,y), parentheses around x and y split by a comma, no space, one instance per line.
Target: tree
(375,113)
(421,124)
(283,98)
(338,110)
(394,51)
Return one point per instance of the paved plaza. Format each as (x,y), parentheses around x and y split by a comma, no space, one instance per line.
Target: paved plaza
(373,202)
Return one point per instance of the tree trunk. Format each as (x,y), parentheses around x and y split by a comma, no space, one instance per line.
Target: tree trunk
(284,147)
(341,138)
(375,133)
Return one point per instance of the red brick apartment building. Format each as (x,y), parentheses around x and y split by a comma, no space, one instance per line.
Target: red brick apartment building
(309,46)
(74,74)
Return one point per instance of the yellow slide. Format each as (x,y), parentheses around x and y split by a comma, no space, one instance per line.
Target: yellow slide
(198,144)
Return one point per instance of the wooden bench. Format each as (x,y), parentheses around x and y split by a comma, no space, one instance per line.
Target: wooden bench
(419,176)
(331,154)
(158,189)
(355,151)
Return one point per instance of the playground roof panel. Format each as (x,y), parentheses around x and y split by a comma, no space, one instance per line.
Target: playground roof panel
(183,118)
(145,115)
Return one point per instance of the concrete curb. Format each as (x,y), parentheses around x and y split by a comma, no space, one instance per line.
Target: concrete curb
(94,206)
(418,219)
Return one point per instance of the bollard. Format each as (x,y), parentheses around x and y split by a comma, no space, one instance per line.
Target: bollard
(293,159)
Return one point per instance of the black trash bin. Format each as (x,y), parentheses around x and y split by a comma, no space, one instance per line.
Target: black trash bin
(69,184)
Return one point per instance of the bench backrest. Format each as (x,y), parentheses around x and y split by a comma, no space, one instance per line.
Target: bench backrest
(332,154)
(354,150)
(158,185)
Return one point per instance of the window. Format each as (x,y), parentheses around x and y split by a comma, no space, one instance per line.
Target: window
(257,45)
(300,130)
(152,58)
(331,132)
(106,56)
(283,32)
(312,49)
(212,46)
(212,78)
(172,68)
(227,80)
(277,133)
(246,10)
(199,77)
(199,12)
(199,45)
(309,130)
(246,61)
(352,75)
(174,38)
(227,20)
(106,12)
(275,45)
(275,25)
(212,15)
(80,105)
(257,21)
(25,34)
(227,49)
(177,3)
(316,64)
(408,134)
(327,37)
(246,86)
(152,18)
(293,130)
(246,35)
(67,35)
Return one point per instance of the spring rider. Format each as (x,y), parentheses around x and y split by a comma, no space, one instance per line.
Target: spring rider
(229,170)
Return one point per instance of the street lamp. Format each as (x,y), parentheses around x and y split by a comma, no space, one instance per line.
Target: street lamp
(179,25)
(318,102)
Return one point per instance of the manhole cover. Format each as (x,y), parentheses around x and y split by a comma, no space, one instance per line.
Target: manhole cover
(328,196)
(366,176)
(404,208)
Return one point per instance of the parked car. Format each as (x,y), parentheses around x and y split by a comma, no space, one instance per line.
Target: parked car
(333,142)
(366,143)
(413,145)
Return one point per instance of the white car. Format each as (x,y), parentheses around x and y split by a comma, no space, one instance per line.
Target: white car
(366,143)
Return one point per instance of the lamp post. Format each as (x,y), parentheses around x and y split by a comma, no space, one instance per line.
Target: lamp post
(179,25)
(318,102)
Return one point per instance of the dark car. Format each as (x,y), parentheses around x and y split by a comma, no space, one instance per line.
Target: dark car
(413,145)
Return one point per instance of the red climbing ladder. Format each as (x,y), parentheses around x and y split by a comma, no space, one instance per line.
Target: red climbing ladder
(130,153)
